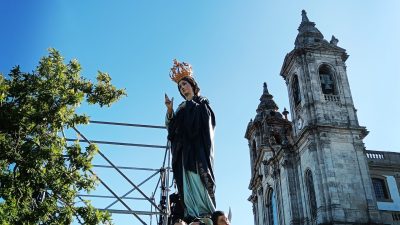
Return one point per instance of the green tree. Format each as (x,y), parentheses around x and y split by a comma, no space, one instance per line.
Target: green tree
(40,173)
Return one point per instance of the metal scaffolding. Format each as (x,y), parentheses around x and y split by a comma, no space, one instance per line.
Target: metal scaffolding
(159,208)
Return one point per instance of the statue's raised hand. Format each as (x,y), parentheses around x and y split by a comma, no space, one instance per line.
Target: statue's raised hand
(170,104)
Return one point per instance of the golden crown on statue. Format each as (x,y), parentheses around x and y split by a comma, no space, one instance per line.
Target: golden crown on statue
(180,70)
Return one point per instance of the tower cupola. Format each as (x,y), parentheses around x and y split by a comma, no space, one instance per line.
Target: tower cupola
(266,101)
(308,33)
(267,106)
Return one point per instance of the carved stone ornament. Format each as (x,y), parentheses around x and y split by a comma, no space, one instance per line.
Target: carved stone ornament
(260,191)
(299,123)
(266,170)
(275,172)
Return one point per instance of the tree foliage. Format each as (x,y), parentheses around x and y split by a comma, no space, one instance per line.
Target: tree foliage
(40,173)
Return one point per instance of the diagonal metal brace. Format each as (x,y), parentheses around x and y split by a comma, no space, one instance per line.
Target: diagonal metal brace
(127,193)
(119,199)
(120,172)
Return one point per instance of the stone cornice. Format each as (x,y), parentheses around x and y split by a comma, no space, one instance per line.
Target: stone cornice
(318,128)
(318,48)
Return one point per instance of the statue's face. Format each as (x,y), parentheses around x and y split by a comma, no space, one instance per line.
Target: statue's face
(223,220)
(186,89)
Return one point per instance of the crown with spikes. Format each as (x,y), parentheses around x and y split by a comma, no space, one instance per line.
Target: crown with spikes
(180,70)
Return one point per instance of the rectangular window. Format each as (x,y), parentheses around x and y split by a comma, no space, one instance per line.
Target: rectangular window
(380,189)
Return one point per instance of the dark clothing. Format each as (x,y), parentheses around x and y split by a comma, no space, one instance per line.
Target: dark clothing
(191,132)
(177,211)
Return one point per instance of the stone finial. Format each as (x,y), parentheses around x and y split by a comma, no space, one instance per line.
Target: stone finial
(285,113)
(304,17)
(265,88)
(266,101)
(334,40)
(308,33)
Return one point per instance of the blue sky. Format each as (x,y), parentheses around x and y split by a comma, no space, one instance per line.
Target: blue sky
(234,46)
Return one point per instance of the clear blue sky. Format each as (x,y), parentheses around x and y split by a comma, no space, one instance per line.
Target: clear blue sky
(234,46)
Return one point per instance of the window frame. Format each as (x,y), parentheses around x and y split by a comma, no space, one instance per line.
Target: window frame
(331,73)
(385,186)
(295,81)
(311,196)
(269,197)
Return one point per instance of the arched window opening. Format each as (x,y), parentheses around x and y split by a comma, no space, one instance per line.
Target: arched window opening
(254,150)
(296,90)
(312,202)
(272,209)
(380,188)
(327,81)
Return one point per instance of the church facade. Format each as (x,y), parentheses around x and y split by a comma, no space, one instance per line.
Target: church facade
(315,169)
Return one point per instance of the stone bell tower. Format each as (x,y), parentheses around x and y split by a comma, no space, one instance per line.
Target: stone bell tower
(333,172)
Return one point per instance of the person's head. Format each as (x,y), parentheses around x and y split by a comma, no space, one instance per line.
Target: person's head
(188,87)
(219,218)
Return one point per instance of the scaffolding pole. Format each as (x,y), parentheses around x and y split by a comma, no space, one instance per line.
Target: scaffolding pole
(163,211)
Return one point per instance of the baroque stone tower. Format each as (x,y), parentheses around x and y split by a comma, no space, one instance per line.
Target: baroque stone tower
(312,170)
